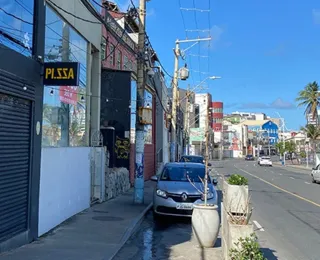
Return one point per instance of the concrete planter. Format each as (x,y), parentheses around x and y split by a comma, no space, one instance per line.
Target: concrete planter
(205,224)
(231,233)
(236,198)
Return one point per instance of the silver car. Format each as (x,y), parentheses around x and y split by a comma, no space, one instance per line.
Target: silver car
(179,187)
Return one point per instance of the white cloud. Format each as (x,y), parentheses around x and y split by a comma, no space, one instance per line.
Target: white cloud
(277,104)
(316,16)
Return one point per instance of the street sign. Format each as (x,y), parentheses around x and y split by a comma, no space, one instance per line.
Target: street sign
(61,73)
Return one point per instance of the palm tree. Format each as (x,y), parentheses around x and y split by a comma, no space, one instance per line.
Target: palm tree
(309,98)
(312,132)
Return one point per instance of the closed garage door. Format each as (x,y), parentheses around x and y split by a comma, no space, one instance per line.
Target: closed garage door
(15,132)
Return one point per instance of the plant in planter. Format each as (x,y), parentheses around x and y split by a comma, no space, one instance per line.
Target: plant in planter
(235,226)
(236,194)
(205,216)
(247,249)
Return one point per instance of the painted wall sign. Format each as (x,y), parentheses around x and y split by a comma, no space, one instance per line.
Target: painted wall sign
(61,73)
(68,95)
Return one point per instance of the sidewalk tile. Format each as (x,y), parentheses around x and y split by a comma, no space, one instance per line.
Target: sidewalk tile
(93,234)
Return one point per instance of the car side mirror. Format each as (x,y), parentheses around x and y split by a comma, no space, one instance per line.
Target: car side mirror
(154,178)
(209,164)
(214,181)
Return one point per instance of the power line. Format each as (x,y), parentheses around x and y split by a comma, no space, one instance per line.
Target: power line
(16,17)
(72,14)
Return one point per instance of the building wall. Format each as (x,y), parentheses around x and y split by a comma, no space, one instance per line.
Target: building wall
(65,186)
(204,102)
(25,71)
(128,59)
(272,130)
(217,116)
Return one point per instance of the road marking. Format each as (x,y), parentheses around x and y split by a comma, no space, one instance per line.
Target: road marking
(292,178)
(280,173)
(279,188)
(307,182)
(259,227)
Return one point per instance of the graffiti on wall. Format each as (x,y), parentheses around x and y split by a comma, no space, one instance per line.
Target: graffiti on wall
(122,148)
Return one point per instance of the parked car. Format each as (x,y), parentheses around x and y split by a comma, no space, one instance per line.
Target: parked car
(175,195)
(193,159)
(249,157)
(315,174)
(265,161)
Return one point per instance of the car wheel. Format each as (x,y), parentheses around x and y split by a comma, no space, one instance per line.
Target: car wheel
(313,180)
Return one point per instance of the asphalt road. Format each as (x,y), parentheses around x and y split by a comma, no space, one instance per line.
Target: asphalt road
(171,239)
(286,208)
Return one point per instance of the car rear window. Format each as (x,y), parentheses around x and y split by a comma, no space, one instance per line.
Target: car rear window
(265,158)
(182,174)
(191,159)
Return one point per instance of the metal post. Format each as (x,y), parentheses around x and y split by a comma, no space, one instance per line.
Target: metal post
(307,154)
(65,55)
(269,143)
(207,157)
(283,144)
(174,103)
(188,117)
(139,158)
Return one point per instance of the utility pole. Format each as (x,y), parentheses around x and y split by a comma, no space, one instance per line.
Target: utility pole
(177,54)
(174,102)
(188,118)
(139,158)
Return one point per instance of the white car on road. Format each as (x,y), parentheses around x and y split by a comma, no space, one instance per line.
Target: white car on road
(315,174)
(265,161)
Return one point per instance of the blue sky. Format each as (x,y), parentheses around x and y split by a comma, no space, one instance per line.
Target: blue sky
(265,51)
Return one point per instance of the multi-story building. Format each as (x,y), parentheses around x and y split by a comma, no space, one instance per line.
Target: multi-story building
(217,120)
(198,124)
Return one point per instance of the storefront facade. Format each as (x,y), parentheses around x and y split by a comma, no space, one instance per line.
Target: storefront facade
(70,113)
(21,52)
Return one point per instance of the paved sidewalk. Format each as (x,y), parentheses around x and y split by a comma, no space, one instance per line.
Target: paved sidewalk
(297,166)
(97,233)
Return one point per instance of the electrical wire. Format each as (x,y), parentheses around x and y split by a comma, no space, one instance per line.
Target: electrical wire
(15,17)
(72,14)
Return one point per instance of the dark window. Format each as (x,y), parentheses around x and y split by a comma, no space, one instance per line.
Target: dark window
(182,174)
(197,117)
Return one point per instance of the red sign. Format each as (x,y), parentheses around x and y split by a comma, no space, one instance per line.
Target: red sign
(68,95)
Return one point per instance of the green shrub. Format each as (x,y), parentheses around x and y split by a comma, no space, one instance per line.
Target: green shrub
(247,249)
(303,154)
(236,179)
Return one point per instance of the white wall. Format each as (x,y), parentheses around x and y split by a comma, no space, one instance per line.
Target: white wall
(65,185)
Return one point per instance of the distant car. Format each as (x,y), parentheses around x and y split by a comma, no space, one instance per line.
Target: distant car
(175,193)
(249,157)
(315,174)
(265,161)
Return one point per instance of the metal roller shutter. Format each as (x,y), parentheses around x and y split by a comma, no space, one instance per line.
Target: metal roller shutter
(15,132)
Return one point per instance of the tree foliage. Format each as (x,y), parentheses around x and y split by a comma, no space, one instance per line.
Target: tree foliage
(309,98)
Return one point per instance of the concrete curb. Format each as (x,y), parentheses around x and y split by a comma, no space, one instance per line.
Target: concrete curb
(293,167)
(131,229)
